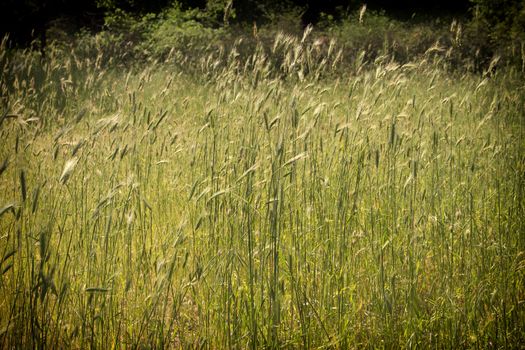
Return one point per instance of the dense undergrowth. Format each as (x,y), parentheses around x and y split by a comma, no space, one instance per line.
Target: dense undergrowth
(465,44)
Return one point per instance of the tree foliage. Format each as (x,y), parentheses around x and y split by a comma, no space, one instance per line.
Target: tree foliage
(505,18)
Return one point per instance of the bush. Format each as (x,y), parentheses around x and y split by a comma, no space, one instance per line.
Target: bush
(183,31)
(498,26)
(375,34)
(506,18)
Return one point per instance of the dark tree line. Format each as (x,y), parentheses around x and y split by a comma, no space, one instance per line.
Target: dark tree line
(27,20)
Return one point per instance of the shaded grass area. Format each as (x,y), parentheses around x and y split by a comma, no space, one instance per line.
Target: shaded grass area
(379,206)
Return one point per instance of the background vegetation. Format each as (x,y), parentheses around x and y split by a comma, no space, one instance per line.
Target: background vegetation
(479,30)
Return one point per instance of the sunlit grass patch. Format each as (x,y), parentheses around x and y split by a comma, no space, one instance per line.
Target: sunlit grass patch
(258,206)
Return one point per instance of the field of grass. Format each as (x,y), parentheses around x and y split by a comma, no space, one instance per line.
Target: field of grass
(377,206)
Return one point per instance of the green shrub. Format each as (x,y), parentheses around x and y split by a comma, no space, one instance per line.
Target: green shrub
(375,34)
(498,27)
(176,29)
(506,18)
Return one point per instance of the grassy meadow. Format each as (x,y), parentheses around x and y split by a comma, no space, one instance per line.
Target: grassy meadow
(248,206)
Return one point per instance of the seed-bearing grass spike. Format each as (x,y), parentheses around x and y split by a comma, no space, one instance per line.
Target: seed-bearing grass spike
(23,185)
(68,170)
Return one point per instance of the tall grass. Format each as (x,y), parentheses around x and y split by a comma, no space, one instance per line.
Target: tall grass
(266,203)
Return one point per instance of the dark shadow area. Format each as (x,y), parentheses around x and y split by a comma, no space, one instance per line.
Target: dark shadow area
(28,20)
